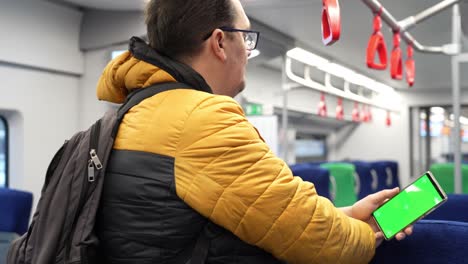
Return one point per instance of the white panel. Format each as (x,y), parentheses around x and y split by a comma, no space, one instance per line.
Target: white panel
(267,126)
(375,141)
(263,85)
(42,111)
(40,34)
(90,108)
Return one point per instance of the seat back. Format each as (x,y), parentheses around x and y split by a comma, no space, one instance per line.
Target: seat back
(15,210)
(368,182)
(391,171)
(454,209)
(344,176)
(433,241)
(385,175)
(320,177)
(444,173)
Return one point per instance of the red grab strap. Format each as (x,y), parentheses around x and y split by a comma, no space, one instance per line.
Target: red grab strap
(331,22)
(340,110)
(355,113)
(410,66)
(388,120)
(396,64)
(377,45)
(322,107)
(365,115)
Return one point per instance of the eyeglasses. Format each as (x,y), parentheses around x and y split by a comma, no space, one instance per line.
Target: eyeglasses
(250,37)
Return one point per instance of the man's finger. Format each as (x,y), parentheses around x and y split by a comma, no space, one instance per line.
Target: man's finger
(379,235)
(383,195)
(400,236)
(409,230)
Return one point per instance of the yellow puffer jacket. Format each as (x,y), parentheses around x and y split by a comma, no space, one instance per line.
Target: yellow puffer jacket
(226,172)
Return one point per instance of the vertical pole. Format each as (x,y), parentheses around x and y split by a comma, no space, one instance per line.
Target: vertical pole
(421,145)
(457,153)
(428,142)
(412,141)
(284,123)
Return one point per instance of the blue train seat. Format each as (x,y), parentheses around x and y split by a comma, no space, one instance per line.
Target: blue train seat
(432,241)
(15,210)
(387,170)
(454,209)
(320,177)
(367,178)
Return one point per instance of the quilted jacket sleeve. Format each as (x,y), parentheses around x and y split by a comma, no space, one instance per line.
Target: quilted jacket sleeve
(227,173)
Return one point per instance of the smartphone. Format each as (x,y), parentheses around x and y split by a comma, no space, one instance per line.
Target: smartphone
(412,203)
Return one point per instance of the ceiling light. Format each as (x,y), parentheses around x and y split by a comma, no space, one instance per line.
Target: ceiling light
(437,118)
(463,120)
(306,57)
(437,110)
(254,53)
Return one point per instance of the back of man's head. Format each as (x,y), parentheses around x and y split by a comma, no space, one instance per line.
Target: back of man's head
(176,28)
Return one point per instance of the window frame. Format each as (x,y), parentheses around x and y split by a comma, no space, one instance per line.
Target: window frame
(5,122)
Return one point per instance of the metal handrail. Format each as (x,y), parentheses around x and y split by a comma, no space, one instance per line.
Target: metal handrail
(408,23)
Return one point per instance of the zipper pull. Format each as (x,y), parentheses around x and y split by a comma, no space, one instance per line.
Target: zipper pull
(91,177)
(95,159)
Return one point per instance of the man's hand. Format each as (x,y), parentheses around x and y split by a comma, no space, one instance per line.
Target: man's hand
(363,209)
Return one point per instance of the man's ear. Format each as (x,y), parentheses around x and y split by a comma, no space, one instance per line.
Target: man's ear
(217,44)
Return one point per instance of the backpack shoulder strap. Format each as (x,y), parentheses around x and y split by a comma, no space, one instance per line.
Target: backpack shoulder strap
(138,95)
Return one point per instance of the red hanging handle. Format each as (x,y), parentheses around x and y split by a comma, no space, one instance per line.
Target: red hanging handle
(322,107)
(388,120)
(377,45)
(340,110)
(396,64)
(365,115)
(331,22)
(355,113)
(410,66)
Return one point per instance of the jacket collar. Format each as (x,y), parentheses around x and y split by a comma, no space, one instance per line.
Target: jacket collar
(181,72)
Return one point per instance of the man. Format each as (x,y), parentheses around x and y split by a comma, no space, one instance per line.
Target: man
(190,179)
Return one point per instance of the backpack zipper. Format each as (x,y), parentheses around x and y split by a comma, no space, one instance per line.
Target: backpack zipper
(94,162)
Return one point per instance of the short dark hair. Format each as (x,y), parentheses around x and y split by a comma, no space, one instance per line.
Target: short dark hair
(176,27)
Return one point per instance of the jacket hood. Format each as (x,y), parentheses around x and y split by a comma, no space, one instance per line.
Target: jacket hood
(140,67)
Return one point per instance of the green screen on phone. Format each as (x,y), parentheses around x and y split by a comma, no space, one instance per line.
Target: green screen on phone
(407,206)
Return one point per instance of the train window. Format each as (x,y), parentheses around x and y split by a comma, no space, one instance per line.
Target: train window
(3,152)
(310,148)
(432,128)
